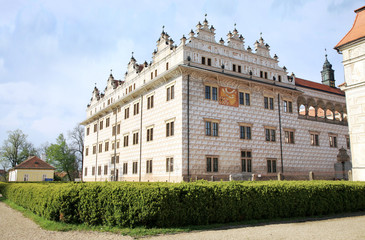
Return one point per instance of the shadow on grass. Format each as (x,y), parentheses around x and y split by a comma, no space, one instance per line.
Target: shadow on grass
(139,232)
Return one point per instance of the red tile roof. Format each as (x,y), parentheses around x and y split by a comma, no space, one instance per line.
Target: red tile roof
(34,163)
(317,86)
(358,28)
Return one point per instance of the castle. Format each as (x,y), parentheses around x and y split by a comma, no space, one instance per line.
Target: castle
(204,109)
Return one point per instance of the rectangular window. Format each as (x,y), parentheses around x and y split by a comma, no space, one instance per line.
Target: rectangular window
(244,98)
(105,169)
(239,69)
(95,127)
(126,113)
(208,128)
(214,94)
(203,60)
(85,172)
(150,102)
(271,166)
(170,129)
(100,147)
(170,93)
(288,106)
(125,143)
(211,128)
(212,164)
(245,132)
(211,93)
(314,139)
(241,97)
(151,78)
(289,136)
(125,168)
(348,142)
(94,149)
(269,103)
(135,168)
(270,135)
(234,67)
(87,131)
(247,98)
(99,170)
(118,128)
(209,62)
(87,151)
(44,176)
(149,134)
(207,92)
(333,141)
(266,75)
(135,138)
(107,122)
(101,125)
(136,108)
(167,66)
(155,72)
(246,161)
(279,78)
(261,74)
(169,164)
(215,129)
(114,129)
(93,171)
(149,166)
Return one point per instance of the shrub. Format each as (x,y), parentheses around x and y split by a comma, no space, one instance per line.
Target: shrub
(166,204)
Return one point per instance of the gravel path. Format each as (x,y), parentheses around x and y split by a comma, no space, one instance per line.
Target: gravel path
(13,225)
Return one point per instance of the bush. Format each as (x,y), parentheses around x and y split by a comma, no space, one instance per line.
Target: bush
(166,204)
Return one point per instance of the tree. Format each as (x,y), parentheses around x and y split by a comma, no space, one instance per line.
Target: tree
(76,137)
(16,148)
(62,157)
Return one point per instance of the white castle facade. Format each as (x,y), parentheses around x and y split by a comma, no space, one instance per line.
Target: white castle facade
(207,109)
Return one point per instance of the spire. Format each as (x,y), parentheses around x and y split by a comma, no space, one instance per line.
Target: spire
(328,74)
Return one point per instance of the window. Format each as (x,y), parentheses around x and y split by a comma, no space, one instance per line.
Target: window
(170,93)
(289,136)
(209,62)
(270,135)
(288,106)
(279,78)
(149,134)
(116,159)
(150,102)
(333,141)
(239,69)
(170,129)
(93,171)
(87,131)
(135,138)
(245,132)
(26,177)
(125,168)
(95,127)
(130,88)
(246,161)
(266,75)
(101,125)
(212,164)
(234,67)
(261,74)
(85,172)
(151,78)
(348,142)
(114,129)
(135,168)
(244,98)
(125,143)
(106,146)
(107,122)
(167,66)
(99,170)
(211,128)
(269,103)
(169,164)
(211,93)
(271,165)
(126,113)
(87,151)
(155,72)
(94,149)
(136,108)
(44,176)
(117,144)
(203,60)
(105,169)
(149,166)
(100,147)
(314,139)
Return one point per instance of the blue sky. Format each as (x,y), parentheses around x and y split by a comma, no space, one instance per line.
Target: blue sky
(53,52)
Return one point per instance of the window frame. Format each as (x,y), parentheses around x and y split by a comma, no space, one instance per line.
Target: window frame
(246,161)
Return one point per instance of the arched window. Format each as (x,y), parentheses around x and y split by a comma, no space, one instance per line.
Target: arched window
(320,112)
(338,116)
(311,111)
(301,110)
(329,114)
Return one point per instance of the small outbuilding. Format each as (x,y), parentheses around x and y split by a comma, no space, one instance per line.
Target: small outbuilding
(33,169)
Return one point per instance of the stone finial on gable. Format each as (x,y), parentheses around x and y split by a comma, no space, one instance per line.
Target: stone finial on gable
(204,31)
(235,40)
(261,48)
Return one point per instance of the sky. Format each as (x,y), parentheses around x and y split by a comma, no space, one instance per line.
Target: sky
(52,53)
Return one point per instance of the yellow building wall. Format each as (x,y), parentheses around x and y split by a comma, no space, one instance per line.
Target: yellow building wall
(34,175)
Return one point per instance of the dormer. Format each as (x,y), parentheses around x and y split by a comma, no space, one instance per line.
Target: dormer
(205,32)
(235,40)
(164,41)
(261,48)
(131,65)
(95,96)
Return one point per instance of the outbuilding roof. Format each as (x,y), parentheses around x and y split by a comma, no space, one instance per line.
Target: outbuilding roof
(317,86)
(358,29)
(34,163)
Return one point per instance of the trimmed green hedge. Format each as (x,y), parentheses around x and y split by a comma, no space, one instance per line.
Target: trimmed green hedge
(179,204)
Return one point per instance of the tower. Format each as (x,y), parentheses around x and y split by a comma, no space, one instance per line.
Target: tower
(328,74)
